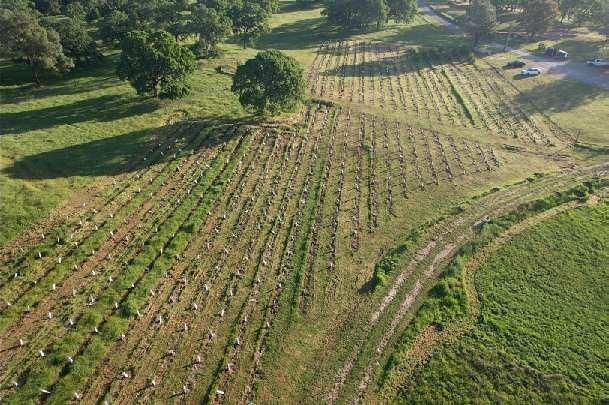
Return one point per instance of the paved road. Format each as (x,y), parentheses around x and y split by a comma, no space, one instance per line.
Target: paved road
(597,77)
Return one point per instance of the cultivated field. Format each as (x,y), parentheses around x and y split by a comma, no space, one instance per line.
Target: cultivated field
(427,84)
(179,267)
(237,261)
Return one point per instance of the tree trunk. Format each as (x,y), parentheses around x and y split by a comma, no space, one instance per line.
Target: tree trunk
(35,75)
(155,92)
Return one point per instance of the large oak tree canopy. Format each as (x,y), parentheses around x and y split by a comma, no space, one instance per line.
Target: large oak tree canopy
(156,64)
(22,37)
(271,82)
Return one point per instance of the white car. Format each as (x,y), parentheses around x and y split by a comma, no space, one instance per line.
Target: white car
(531,72)
(598,62)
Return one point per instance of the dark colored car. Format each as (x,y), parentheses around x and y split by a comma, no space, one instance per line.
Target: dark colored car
(515,64)
(557,53)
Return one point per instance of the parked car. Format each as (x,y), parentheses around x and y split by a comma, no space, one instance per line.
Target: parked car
(598,62)
(531,72)
(557,53)
(515,64)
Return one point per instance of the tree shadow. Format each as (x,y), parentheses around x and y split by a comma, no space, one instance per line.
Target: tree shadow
(560,96)
(311,32)
(389,66)
(120,154)
(368,287)
(101,109)
(15,95)
(294,6)
(18,85)
(407,60)
(301,34)
(423,34)
(13,73)
(358,47)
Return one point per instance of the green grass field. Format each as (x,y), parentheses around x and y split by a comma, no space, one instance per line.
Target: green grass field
(74,131)
(540,333)
(78,129)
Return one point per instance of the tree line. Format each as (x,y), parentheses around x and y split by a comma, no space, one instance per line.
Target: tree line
(54,35)
(366,14)
(535,16)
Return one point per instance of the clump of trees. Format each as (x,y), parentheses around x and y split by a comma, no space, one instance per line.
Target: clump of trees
(24,38)
(208,21)
(365,14)
(595,12)
(539,15)
(155,64)
(271,82)
(211,26)
(75,39)
(53,35)
(535,16)
(480,20)
(402,10)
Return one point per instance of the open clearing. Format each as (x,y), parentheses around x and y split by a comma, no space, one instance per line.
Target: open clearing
(218,258)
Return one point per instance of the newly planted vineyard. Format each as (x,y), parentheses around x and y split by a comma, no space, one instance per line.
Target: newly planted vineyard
(449,89)
(272,262)
(180,267)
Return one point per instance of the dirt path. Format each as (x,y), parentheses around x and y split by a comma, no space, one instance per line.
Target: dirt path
(568,69)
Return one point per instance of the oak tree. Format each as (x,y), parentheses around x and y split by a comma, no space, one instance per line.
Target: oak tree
(480,19)
(156,64)
(270,83)
(22,37)
(539,15)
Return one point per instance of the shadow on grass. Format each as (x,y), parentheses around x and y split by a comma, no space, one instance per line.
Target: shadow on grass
(294,6)
(123,153)
(19,87)
(407,61)
(14,95)
(301,34)
(560,96)
(101,109)
(368,287)
(421,33)
(389,66)
(365,46)
(311,32)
